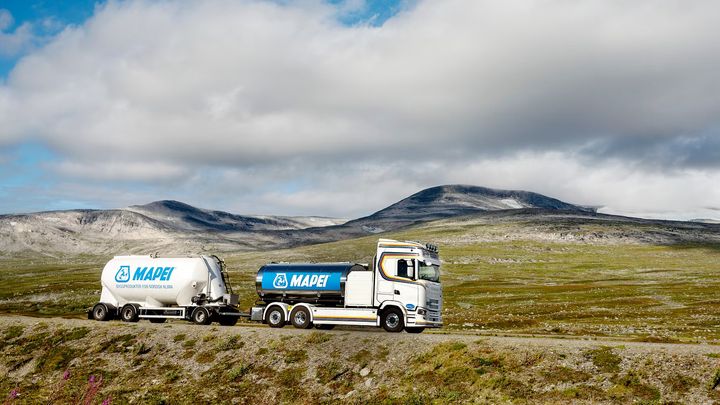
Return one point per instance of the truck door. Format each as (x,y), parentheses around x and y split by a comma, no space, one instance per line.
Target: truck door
(395,281)
(405,288)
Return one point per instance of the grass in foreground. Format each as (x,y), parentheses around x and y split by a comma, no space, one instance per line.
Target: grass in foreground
(51,361)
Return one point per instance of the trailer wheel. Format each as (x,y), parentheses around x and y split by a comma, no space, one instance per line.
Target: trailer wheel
(414,330)
(100,312)
(300,318)
(392,320)
(228,320)
(129,313)
(324,326)
(157,320)
(200,316)
(275,317)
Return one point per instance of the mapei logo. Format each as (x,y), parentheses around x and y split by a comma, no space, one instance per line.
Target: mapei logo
(280,280)
(123,274)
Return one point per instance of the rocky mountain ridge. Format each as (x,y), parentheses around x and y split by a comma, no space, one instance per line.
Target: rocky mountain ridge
(173,227)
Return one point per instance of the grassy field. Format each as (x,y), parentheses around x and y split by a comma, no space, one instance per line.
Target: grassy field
(492,283)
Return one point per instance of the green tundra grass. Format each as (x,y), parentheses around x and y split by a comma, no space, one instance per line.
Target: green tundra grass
(492,283)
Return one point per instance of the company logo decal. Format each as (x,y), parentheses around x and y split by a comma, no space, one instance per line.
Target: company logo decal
(410,306)
(309,280)
(280,280)
(301,281)
(153,273)
(123,274)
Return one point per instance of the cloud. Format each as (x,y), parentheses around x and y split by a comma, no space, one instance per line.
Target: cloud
(12,43)
(626,93)
(26,37)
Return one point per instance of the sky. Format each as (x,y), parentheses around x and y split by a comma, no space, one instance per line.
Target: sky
(340,108)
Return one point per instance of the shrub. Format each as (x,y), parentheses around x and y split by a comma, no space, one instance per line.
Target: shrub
(239,371)
(318,337)
(231,343)
(294,356)
(605,359)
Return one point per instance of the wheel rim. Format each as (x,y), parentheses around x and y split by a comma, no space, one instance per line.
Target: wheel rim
(99,312)
(200,317)
(300,318)
(392,320)
(275,317)
(128,313)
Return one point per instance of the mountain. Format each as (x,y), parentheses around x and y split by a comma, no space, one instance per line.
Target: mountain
(168,226)
(456,200)
(172,227)
(182,216)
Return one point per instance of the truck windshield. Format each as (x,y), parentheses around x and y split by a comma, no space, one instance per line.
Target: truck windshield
(429,272)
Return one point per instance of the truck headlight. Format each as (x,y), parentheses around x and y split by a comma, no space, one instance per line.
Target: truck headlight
(421,311)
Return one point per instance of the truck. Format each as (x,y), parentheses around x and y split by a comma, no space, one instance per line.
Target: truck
(399,290)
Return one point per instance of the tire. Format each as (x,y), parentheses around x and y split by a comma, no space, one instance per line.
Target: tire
(200,316)
(275,317)
(324,326)
(100,312)
(392,320)
(414,329)
(129,313)
(227,320)
(157,320)
(300,318)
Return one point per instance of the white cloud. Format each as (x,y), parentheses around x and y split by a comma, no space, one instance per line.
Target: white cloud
(12,43)
(625,94)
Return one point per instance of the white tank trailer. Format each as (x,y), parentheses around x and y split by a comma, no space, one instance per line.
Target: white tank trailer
(146,287)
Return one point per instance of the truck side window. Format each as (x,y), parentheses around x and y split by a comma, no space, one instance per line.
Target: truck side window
(406,268)
(402,268)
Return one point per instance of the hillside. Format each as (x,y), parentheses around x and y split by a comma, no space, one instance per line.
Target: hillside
(173,227)
(182,363)
(184,217)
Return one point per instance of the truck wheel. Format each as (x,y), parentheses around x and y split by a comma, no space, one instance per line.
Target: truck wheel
(275,317)
(414,330)
(200,316)
(227,320)
(157,320)
(100,312)
(392,320)
(129,313)
(324,326)
(300,318)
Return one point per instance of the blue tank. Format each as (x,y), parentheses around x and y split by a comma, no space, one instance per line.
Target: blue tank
(304,282)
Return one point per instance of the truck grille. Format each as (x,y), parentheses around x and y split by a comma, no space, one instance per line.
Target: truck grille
(433,305)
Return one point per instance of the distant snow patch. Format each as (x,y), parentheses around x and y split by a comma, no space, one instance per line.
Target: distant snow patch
(511,203)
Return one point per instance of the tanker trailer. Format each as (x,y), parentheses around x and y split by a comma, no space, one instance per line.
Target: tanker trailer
(153,288)
(318,283)
(399,290)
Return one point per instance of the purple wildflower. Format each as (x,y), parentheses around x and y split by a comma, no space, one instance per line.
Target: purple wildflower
(66,375)
(14,394)
(107,401)
(92,379)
